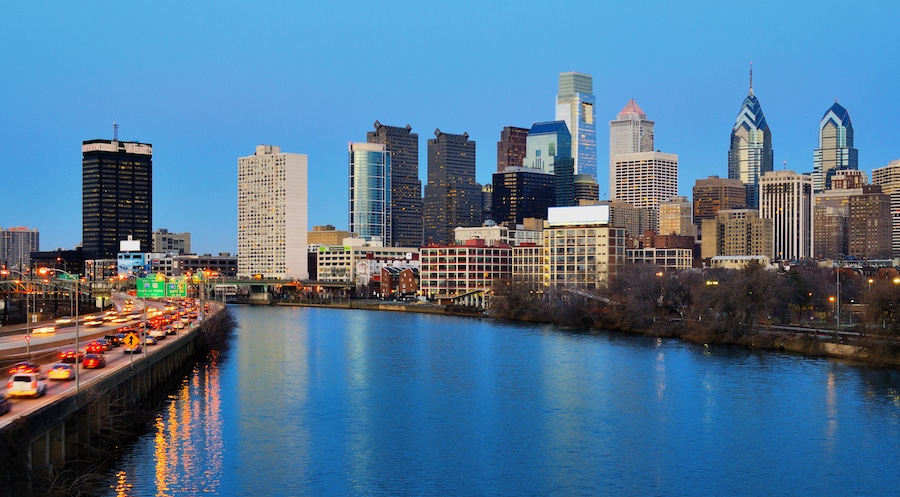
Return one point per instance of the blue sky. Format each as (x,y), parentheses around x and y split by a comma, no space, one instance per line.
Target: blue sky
(205,82)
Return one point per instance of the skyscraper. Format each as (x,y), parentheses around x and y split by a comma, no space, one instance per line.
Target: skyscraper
(787,199)
(521,192)
(370,192)
(511,147)
(406,188)
(575,105)
(16,245)
(750,153)
(645,179)
(714,194)
(586,189)
(452,196)
(888,177)
(835,150)
(117,196)
(630,133)
(547,149)
(272,214)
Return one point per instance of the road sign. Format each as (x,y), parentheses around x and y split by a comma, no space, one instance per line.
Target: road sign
(176,288)
(27,338)
(150,288)
(132,340)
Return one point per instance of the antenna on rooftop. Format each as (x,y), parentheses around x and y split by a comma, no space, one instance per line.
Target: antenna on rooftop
(751,77)
(783,165)
(115,131)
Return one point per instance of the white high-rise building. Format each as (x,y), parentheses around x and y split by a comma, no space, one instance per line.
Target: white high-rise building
(575,105)
(272,214)
(888,177)
(786,198)
(645,179)
(630,133)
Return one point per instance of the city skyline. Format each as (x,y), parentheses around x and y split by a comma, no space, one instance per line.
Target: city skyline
(204,93)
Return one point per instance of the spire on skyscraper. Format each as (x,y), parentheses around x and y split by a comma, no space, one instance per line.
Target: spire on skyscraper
(751,77)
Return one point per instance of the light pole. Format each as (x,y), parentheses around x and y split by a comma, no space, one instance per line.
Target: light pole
(44,271)
(27,307)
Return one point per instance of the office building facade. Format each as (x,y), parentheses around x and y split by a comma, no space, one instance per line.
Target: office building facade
(511,147)
(547,149)
(370,192)
(586,189)
(713,194)
(888,178)
(452,196)
(750,153)
(273,214)
(835,150)
(117,196)
(575,105)
(787,199)
(520,193)
(675,217)
(630,133)
(16,245)
(645,179)
(406,187)
(167,243)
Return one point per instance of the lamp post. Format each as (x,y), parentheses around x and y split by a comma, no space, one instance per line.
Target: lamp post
(5,272)
(44,271)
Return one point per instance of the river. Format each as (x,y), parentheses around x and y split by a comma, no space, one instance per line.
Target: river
(348,402)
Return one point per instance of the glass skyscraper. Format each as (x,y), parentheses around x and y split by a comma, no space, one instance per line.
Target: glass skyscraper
(835,150)
(548,149)
(370,192)
(750,153)
(575,105)
(406,188)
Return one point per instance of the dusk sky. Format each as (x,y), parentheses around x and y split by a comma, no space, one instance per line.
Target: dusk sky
(205,82)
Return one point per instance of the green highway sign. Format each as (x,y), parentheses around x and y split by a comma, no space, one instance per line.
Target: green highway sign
(176,288)
(150,288)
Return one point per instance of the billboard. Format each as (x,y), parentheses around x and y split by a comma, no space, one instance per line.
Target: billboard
(582,214)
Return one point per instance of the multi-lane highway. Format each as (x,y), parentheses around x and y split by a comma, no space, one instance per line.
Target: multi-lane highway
(44,348)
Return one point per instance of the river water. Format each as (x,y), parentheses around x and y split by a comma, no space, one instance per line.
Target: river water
(359,403)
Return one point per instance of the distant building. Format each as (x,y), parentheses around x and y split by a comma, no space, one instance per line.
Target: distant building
(452,196)
(457,269)
(358,265)
(835,150)
(16,245)
(163,241)
(888,177)
(585,188)
(624,215)
(398,281)
(223,265)
(713,194)
(117,196)
(575,105)
(370,192)
(787,199)
(737,232)
(630,133)
(675,217)
(870,224)
(326,235)
(520,193)
(645,179)
(582,250)
(272,214)
(831,214)
(406,187)
(750,153)
(511,147)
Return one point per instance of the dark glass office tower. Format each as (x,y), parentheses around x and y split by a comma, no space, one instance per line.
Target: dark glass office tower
(520,193)
(750,153)
(511,147)
(452,196)
(406,188)
(117,196)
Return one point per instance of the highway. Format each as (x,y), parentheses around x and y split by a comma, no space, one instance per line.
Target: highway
(45,347)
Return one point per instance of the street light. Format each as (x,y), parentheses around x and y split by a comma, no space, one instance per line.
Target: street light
(5,272)
(43,271)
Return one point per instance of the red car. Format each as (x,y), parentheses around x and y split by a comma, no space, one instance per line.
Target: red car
(95,348)
(24,367)
(70,356)
(93,361)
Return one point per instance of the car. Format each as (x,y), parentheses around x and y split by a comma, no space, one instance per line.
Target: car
(106,344)
(169,329)
(131,350)
(65,320)
(25,367)
(71,355)
(95,347)
(158,333)
(62,371)
(113,340)
(26,385)
(93,361)
(44,330)
(149,340)
(93,322)
(178,325)
(5,405)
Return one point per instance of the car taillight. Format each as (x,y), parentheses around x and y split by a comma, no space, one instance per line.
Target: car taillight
(9,385)
(33,384)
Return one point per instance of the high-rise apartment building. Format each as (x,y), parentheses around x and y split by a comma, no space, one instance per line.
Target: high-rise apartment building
(644,180)
(165,242)
(406,188)
(581,248)
(750,153)
(521,192)
(117,196)
(273,214)
(575,105)
(16,245)
(737,232)
(787,199)
(870,224)
(713,194)
(452,196)
(511,147)
(370,192)
(675,217)
(831,214)
(835,150)
(631,132)
(888,177)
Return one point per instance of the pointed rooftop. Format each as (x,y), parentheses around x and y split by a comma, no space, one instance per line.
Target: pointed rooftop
(632,108)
